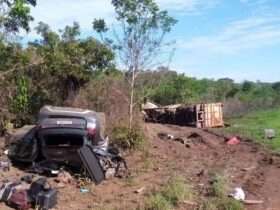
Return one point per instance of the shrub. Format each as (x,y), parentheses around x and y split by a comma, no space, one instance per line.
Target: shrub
(219,187)
(157,202)
(176,191)
(224,203)
(128,139)
(220,200)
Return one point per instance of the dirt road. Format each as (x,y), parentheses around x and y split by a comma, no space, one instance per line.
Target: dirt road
(246,165)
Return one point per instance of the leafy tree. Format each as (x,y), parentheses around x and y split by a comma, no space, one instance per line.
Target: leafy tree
(143,27)
(15,14)
(70,62)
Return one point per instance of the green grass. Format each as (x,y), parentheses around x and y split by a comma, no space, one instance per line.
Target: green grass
(218,198)
(252,126)
(174,192)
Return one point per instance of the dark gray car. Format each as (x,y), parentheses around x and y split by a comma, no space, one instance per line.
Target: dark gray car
(60,132)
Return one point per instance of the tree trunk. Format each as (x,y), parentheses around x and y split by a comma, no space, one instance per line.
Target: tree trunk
(131,103)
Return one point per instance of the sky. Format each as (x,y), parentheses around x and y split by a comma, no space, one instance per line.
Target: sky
(238,39)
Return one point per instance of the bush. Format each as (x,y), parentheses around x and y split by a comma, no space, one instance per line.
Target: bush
(220,200)
(157,202)
(219,186)
(224,203)
(128,139)
(176,191)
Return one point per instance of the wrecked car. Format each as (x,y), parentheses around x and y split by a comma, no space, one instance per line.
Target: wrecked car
(58,134)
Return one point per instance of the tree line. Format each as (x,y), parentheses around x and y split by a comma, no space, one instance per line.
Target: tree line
(61,68)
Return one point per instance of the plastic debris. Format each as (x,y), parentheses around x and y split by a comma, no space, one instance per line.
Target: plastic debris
(269,133)
(4,165)
(141,190)
(84,190)
(238,194)
(6,152)
(233,141)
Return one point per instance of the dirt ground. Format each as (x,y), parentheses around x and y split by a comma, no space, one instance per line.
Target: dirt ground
(247,165)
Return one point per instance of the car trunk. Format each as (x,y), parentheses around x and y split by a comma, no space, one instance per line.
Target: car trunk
(61,145)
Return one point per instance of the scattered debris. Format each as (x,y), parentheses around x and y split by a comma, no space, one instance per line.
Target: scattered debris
(140,190)
(91,164)
(6,152)
(233,141)
(190,203)
(249,168)
(238,194)
(84,190)
(269,133)
(252,202)
(46,199)
(196,138)
(25,194)
(64,178)
(4,165)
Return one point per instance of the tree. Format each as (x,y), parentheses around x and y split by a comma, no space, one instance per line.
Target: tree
(140,40)
(69,62)
(15,14)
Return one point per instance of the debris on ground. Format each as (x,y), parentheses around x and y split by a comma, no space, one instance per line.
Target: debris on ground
(269,133)
(4,165)
(233,141)
(192,139)
(252,202)
(140,190)
(64,178)
(238,194)
(24,195)
(65,141)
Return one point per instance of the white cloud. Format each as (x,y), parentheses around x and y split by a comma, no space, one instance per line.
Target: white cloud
(59,13)
(187,6)
(237,36)
(63,12)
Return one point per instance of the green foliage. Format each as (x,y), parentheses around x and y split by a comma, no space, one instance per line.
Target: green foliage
(20,102)
(157,202)
(128,138)
(252,126)
(219,199)
(15,14)
(175,191)
(224,203)
(219,187)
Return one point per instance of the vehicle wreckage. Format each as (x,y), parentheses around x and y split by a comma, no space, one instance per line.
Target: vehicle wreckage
(203,115)
(68,137)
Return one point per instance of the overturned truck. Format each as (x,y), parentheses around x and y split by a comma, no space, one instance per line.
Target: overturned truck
(199,115)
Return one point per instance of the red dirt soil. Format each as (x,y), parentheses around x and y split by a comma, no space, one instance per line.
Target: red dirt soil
(246,165)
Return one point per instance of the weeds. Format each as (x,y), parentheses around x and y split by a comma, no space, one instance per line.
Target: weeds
(157,202)
(128,139)
(224,203)
(219,186)
(175,191)
(219,198)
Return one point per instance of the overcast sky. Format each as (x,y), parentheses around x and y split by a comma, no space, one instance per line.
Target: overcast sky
(239,39)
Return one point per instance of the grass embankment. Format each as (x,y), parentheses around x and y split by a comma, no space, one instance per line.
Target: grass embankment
(253,125)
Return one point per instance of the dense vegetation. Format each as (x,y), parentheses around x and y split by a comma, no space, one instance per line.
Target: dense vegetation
(60,68)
